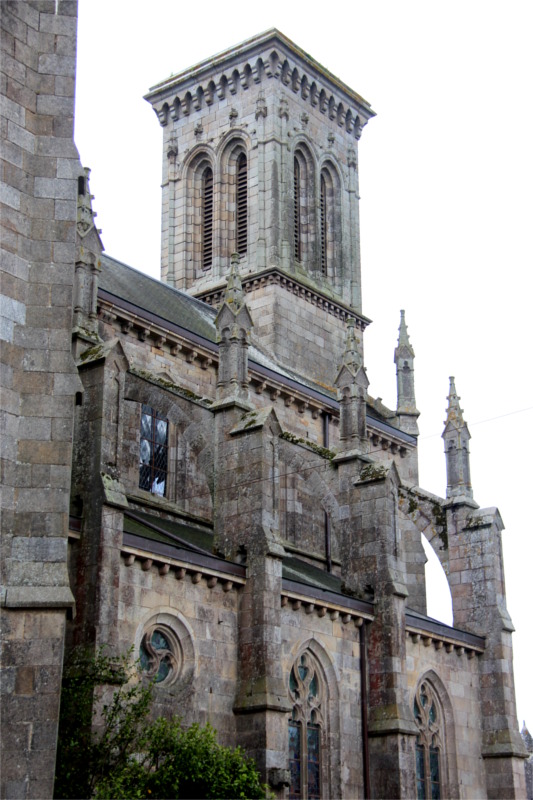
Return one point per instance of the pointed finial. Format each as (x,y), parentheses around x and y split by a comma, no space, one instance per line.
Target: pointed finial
(234,296)
(454,412)
(85,215)
(351,357)
(404,348)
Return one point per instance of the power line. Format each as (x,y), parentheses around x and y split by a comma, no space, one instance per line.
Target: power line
(483,421)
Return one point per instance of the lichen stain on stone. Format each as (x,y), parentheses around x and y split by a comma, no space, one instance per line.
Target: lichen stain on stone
(316,448)
(373,472)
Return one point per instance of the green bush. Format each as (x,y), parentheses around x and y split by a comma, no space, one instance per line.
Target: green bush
(126,756)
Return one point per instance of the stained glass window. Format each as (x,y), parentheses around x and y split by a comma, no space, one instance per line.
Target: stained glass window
(305,729)
(153,452)
(428,744)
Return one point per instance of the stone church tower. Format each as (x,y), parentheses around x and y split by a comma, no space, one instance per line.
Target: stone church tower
(260,158)
(236,508)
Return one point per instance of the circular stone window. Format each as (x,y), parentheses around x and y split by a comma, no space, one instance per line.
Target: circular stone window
(165,647)
(160,654)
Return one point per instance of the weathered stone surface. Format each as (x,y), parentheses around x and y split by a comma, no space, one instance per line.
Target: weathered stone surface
(217,490)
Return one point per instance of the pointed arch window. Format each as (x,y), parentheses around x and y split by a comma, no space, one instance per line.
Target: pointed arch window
(241,210)
(330,226)
(429,745)
(306,729)
(207,218)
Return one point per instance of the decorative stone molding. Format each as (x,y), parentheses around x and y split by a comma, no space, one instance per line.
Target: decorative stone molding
(168,566)
(311,606)
(270,56)
(214,297)
(440,641)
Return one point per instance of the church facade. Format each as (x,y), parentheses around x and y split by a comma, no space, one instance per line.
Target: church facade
(239,509)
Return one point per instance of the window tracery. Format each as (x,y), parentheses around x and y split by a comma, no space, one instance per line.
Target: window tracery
(164,646)
(306,727)
(429,743)
(160,655)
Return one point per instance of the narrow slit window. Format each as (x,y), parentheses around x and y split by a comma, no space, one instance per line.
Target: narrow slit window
(207,218)
(241,212)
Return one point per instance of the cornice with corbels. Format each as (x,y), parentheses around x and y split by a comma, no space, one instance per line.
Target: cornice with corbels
(130,324)
(271,65)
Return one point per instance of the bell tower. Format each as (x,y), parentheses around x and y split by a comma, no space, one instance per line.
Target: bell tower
(260,159)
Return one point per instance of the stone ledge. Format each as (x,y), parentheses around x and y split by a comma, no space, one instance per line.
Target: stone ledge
(37,597)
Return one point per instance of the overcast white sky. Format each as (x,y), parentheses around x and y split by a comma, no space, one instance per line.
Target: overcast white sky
(446,178)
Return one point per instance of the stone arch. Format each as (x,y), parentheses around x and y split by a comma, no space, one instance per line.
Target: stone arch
(427,514)
(304,206)
(302,483)
(330,225)
(200,231)
(448,761)
(232,150)
(422,518)
(330,711)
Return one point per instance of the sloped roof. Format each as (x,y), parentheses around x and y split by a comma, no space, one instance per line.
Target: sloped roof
(158,298)
(145,295)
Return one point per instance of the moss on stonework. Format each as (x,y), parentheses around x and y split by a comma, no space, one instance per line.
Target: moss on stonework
(412,500)
(92,352)
(373,472)
(251,419)
(321,451)
(439,515)
(175,387)
(81,331)
(474,522)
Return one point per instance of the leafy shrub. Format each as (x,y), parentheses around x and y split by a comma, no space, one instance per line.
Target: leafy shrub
(126,756)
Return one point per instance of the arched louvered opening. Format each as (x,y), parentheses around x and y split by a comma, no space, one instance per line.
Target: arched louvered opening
(330,222)
(297,211)
(323,226)
(207,218)
(241,212)
(304,207)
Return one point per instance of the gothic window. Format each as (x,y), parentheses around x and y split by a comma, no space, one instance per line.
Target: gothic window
(304,207)
(429,747)
(159,654)
(241,210)
(207,217)
(153,466)
(306,729)
(330,226)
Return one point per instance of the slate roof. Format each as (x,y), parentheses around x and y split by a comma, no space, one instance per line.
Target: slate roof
(151,295)
(158,298)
